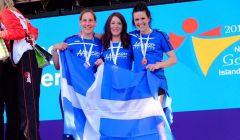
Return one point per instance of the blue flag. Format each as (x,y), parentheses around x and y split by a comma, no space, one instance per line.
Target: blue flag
(113,104)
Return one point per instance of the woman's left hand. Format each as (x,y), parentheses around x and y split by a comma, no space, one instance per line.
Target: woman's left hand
(152,67)
(99,62)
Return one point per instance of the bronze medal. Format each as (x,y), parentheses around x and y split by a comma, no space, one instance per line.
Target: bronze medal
(144,61)
(86,65)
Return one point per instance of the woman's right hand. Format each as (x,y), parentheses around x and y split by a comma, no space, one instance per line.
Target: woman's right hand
(60,46)
(3,34)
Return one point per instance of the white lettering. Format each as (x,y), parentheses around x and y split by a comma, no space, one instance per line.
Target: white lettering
(230,60)
(237,49)
(227,72)
(151,46)
(232,28)
(48,79)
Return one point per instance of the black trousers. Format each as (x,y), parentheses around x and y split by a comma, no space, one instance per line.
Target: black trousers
(29,79)
(8,100)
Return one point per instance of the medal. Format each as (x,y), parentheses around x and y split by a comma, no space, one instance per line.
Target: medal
(144,61)
(86,65)
(144,47)
(87,54)
(114,67)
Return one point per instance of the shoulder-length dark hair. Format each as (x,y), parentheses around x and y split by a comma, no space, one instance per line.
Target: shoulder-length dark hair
(107,36)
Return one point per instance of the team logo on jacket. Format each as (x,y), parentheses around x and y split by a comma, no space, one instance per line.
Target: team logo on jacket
(27,76)
(150,46)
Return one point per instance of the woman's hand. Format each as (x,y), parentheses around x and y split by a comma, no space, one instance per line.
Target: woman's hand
(60,46)
(153,67)
(3,34)
(98,62)
(172,59)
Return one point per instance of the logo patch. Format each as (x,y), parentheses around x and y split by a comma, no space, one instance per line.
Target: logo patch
(27,76)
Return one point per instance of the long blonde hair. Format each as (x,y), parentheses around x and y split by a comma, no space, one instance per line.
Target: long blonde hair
(8,4)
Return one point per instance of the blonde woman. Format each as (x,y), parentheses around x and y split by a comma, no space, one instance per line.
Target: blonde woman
(15,29)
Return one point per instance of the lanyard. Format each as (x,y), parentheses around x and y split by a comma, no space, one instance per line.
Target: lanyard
(115,56)
(88,54)
(144,46)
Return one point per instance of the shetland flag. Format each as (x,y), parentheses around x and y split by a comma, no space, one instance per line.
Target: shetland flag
(113,104)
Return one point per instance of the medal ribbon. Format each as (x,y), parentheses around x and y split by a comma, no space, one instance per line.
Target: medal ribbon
(144,46)
(115,56)
(88,54)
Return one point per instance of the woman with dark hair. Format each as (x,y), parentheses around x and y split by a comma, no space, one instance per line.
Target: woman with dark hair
(149,46)
(117,49)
